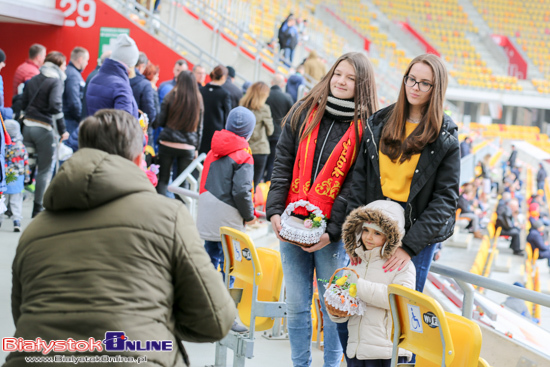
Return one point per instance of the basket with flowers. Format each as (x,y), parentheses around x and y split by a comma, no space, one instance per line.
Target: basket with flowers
(303,232)
(341,295)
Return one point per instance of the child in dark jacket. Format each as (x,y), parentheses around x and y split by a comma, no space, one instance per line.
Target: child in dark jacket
(17,164)
(225,197)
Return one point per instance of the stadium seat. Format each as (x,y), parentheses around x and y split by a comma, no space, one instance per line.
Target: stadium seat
(438,338)
(258,280)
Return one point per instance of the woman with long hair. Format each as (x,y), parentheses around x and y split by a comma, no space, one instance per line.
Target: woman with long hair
(181,116)
(410,154)
(217,105)
(316,151)
(43,105)
(254,100)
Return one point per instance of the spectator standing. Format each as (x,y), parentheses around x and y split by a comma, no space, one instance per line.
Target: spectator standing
(144,93)
(181,117)
(280,104)
(30,68)
(235,92)
(465,147)
(294,83)
(176,295)
(152,74)
(331,115)
(200,75)
(43,105)
(410,154)
(315,67)
(165,87)
(7,112)
(536,239)
(217,105)
(541,177)
(288,38)
(506,219)
(74,88)
(16,163)
(100,61)
(110,88)
(254,100)
(513,157)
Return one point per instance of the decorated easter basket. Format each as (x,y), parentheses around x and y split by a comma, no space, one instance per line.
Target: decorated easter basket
(302,232)
(338,300)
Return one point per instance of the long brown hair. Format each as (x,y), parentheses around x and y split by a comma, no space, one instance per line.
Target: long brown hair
(255,96)
(185,110)
(393,142)
(366,99)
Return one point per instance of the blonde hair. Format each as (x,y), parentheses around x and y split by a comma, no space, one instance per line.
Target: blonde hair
(255,96)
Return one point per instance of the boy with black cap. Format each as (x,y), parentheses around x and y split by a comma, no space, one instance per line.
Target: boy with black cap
(225,196)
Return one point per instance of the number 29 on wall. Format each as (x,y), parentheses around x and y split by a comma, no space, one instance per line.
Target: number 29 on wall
(79,13)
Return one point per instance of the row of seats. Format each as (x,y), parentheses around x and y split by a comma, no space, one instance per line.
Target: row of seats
(527,23)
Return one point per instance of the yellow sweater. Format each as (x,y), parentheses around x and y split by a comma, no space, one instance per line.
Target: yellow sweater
(396,178)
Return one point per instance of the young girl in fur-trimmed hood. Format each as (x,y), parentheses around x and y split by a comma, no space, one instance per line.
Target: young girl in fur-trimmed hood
(372,233)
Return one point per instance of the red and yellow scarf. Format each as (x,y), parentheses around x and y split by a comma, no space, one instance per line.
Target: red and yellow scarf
(329,181)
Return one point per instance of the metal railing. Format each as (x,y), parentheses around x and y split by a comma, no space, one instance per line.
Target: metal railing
(465,281)
(167,34)
(189,196)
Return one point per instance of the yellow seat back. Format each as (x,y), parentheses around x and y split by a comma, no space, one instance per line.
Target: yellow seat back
(482,363)
(251,267)
(422,327)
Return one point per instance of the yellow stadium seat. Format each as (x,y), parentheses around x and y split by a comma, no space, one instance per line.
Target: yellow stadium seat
(438,338)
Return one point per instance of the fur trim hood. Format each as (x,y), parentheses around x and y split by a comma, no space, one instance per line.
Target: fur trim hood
(387,214)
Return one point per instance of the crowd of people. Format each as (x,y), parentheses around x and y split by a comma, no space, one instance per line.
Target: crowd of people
(386,181)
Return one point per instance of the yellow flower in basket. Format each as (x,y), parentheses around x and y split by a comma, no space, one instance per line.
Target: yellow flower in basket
(317,219)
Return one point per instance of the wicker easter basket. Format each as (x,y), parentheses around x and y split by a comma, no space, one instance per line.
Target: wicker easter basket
(345,301)
(293,229)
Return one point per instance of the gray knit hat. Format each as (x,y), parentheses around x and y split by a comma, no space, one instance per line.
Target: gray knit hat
(241,121)
(125,51)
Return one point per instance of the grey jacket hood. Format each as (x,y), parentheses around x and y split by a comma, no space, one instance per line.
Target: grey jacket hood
(91,178)
(51,70)
(388,215)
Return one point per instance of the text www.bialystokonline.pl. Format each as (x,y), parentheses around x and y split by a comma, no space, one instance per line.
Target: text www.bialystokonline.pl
(86,359)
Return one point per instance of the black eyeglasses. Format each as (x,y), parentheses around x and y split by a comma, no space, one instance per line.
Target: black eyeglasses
(411,82)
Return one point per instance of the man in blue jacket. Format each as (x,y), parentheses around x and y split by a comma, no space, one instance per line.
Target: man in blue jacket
(74,88)
(167,86)
(143,90)
(110,88)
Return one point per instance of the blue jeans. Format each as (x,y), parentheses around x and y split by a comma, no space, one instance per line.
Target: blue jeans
(422,263)
(298,267)
(289,55)
(215,250)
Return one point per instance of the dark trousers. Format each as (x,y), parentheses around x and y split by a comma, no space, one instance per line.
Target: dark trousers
(354,362)
(215,250)
(514,233)
(270,160)
(259,167)
(167,156)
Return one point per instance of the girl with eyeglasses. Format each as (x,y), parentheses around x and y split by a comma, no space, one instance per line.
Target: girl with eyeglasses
(410,154)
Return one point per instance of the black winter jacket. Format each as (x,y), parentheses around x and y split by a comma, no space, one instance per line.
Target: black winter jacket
(280,103)
(217,105)
(431,206)
(145,95)
(286,152)
(48,101)
(175,136)
(74,91)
